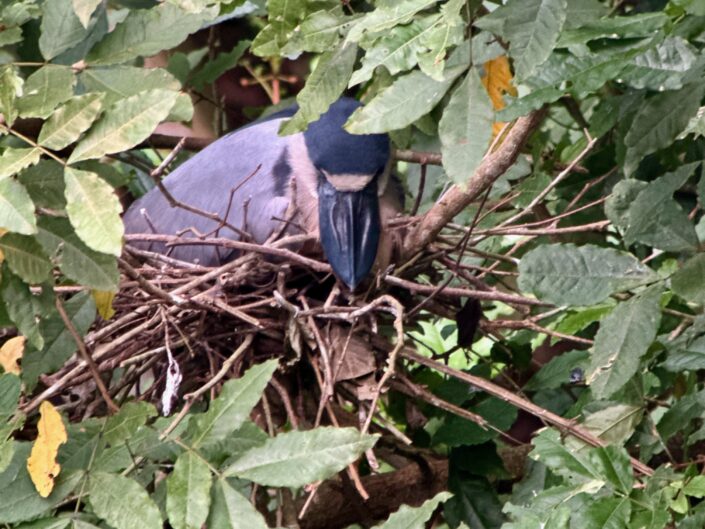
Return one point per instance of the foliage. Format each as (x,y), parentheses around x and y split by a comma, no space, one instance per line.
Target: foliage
(596,229)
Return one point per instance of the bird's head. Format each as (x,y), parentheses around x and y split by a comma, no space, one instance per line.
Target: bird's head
(352,171)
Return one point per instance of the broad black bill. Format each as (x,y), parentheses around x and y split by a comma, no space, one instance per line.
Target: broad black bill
(349,227)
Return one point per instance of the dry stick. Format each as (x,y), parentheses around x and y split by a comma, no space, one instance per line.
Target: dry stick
(457,198)
(83,350)
(561,423)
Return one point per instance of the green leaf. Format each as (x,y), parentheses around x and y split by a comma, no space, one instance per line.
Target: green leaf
(695,487)
(465,130)
(10,90)
(10,389)
(145,32)
(624,337)
(603,513)
(613,424)
(571,464)
(689,357)
(557,371)
(323,87)
(386,17)
(524,105)
(70,121)
(231,510)
(123,425)
(61,29)
(122,502)
(232,407)
(21,307)
(688,283)
(456,431)
(25,257)
(45,89)
(219,65)
(58,343)
(632,26)
(125,124)
(414,517)
(319,32)
(121,82)
(16,208)
(657,219)
(94,211)
(566,274)
(283,16)
(621,199)
(79,263)
(188,492)
(84,9)
(409,98)
(615,466)
(662,67)
(13,160)
(582,318)
(658,121)
(296,458)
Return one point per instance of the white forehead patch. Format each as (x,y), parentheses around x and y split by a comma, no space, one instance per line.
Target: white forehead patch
(348,182)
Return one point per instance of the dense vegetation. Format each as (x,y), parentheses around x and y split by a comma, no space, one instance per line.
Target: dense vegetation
(546,303)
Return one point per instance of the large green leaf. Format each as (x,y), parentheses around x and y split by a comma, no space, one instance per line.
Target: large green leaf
(123,425)
(22,307)
(465,129)
(283,16)
(16,208)
(662,67)
(77,261)
(58,343)
(61,29)
(603,513)
(122,502)
(121,82)
(557,372)
(10,89)
(232,407)
(319,32)
(188,492)
(410,97)
(145,32)
(125,124)
(576,466)
(632,26)
(658,121)
(323,87)
(297,458)
(688,281)
(386,17)
(70,121)
(624,337)
(84,9)
(45,89)
(414,517)
(566,274)
(231,510)
(218,66)
(94,211)
(13,160)
(25,257)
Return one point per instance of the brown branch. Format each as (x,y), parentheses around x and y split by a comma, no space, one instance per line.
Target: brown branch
(456,199)
(565,425)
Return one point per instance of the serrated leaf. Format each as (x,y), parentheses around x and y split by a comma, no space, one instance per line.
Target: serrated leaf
(283,16)
(572,464)
(632,26)
(125,124)
(121,82)
(219,65)
(414,517)
(658,121)
(566,274)
(58,343)
(123,425)
(94,211)
(386,17)
(603,513)
(231,510)
(122,502)
(84,9)
(13,160)
(465,129)
(25,257)
(46,89)
(42,465)
(70,121)
(319,32)
(297,458)
(78,262)
(145,32)
(232,407)
(687,282)
(16,208)
(406,100)
(621,199)
(662,67)
(188,492)
(686,357)
(623,338)
(61,29)
(323,87)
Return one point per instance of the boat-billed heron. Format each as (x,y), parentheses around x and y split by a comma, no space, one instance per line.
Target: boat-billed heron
(340,184)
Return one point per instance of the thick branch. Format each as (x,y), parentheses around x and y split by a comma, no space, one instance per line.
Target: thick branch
(457,199)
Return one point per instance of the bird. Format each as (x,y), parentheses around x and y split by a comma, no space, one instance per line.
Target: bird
(341,185)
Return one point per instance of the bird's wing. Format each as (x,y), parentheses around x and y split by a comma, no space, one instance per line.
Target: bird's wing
(250,165)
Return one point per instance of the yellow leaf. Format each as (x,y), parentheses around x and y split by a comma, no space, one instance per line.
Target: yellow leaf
(497,80)
(104,303)
(10,352)
(42,465)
